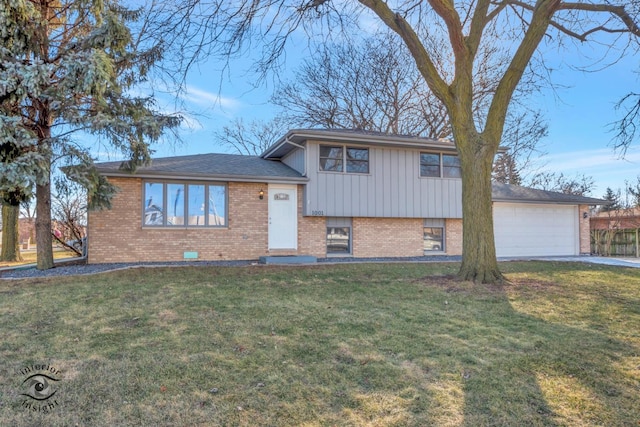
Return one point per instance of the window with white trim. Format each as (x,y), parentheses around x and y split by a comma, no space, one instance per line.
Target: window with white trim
(184,204)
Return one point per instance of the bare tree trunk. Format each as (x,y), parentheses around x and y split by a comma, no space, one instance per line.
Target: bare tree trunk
(43,226)
(479,263)
(10,233)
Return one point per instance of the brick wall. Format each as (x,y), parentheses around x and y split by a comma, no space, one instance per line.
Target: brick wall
(387,237)
(584,230)
(453,236)
(117,235)
(312,235)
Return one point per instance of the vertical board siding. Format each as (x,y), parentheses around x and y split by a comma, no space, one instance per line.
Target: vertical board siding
(392,188)
(295,160)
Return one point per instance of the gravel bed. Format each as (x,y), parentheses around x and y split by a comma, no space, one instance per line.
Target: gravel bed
(430,258)
(81,268)
(72,269)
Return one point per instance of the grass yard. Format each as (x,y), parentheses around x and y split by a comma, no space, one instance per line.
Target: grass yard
(327,345)
(29,257)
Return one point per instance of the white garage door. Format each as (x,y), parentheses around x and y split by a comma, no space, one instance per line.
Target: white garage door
(535,230)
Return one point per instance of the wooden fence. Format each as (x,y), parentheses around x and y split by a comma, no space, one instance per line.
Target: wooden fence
(614,242)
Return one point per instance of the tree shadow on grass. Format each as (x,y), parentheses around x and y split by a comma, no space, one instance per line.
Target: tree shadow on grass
(548,373)
(367,352)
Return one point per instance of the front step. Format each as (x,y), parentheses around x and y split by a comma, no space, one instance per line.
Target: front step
(288,259)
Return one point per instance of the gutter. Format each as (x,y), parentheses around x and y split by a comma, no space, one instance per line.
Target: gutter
(207,178)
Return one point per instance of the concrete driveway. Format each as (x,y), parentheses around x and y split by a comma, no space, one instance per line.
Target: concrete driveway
(620,262)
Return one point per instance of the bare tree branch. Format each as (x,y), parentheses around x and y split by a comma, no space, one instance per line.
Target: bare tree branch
(446,39)
(627,127)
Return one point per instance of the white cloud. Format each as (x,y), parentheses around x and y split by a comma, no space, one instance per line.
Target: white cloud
(191,123)
(606,167)
(588,159)
(209,99)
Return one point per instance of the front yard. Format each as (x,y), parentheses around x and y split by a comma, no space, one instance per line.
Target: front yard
(29,257)
(343,345)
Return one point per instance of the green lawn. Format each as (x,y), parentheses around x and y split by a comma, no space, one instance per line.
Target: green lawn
(29,257)
(328,345)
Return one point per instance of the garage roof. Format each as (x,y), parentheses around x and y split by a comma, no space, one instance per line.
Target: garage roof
(515,193)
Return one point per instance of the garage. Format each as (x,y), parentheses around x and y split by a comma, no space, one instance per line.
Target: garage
(524,229)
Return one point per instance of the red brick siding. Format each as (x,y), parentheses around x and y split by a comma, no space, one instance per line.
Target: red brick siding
(387,237)
(453,236)
(584,230)
(117,235)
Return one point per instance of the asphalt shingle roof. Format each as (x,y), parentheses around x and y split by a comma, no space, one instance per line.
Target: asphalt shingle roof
(235,166)
(209,165)
(508,192)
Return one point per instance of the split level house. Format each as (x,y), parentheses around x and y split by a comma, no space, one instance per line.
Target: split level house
(321,193)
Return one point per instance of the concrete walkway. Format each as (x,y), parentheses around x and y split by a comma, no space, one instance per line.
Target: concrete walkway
(620,262)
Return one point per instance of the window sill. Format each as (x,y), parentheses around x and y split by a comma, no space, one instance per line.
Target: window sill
(182,227)
(435,177)
(346,173)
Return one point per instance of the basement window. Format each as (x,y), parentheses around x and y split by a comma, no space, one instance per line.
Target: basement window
(433,235)
(339,236)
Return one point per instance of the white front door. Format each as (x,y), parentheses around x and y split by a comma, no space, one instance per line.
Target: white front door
(283,217)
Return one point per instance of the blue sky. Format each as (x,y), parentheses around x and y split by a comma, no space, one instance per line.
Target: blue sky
(579,113)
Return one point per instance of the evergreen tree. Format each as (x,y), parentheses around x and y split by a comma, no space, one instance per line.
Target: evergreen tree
(633,190)
(505,170)
(614,201)
(68,66)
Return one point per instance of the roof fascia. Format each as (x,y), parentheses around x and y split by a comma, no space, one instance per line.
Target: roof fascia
(298,136)
(212,178)
(590,202)
(285,140)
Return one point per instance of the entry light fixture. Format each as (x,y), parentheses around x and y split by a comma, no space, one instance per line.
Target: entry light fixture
(585,215)
(261,194)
